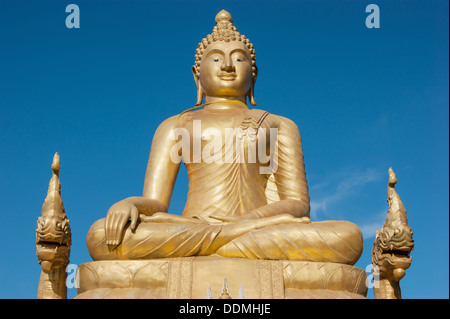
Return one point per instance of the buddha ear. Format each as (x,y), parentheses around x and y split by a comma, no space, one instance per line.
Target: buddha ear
(251,95)
(199,87)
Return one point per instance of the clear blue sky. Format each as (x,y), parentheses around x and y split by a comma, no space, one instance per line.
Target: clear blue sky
(364,99)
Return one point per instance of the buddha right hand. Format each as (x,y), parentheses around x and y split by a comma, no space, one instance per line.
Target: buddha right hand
(116,219)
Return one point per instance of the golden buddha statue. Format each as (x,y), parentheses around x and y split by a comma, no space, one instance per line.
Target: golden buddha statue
(239,205)
(246,221)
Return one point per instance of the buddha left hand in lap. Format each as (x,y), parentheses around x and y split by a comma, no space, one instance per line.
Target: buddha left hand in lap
(232,209)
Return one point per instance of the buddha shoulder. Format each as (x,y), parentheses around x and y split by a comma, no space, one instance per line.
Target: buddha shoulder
(166,127)
(282,122)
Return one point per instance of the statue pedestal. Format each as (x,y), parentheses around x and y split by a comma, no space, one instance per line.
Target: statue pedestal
(190,277)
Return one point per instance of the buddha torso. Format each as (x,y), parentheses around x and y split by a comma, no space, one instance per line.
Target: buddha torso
(224,180)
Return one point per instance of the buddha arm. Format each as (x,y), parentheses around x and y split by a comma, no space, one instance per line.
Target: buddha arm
(161,172)
(146,206)
(290,177)
(158,186)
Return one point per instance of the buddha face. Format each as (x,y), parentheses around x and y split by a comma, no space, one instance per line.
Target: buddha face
(226,70)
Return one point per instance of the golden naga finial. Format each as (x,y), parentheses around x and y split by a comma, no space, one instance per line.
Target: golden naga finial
(392,247)
(53,240)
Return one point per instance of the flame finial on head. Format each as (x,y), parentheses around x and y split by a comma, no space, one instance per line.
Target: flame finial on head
(224,16)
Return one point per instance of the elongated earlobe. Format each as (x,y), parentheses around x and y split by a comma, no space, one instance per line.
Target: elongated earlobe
(199,87)
(251,95)
(199,95)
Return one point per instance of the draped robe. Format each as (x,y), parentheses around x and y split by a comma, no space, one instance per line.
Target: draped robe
(227,181)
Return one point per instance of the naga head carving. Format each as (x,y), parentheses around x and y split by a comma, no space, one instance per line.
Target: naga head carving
(53,235)
(393,243)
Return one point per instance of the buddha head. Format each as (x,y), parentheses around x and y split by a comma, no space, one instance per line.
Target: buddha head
(225,63)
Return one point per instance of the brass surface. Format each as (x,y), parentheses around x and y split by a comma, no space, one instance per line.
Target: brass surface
(232,209)
(196,277)
(53,240)
(392,247)
(245,231)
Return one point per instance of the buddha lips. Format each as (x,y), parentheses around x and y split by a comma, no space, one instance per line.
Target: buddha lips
(245,144)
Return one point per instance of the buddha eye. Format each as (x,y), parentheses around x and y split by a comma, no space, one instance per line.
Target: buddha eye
(239,59)
(215,59)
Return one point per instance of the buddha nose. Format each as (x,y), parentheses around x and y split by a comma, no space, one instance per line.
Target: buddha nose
(227,65)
